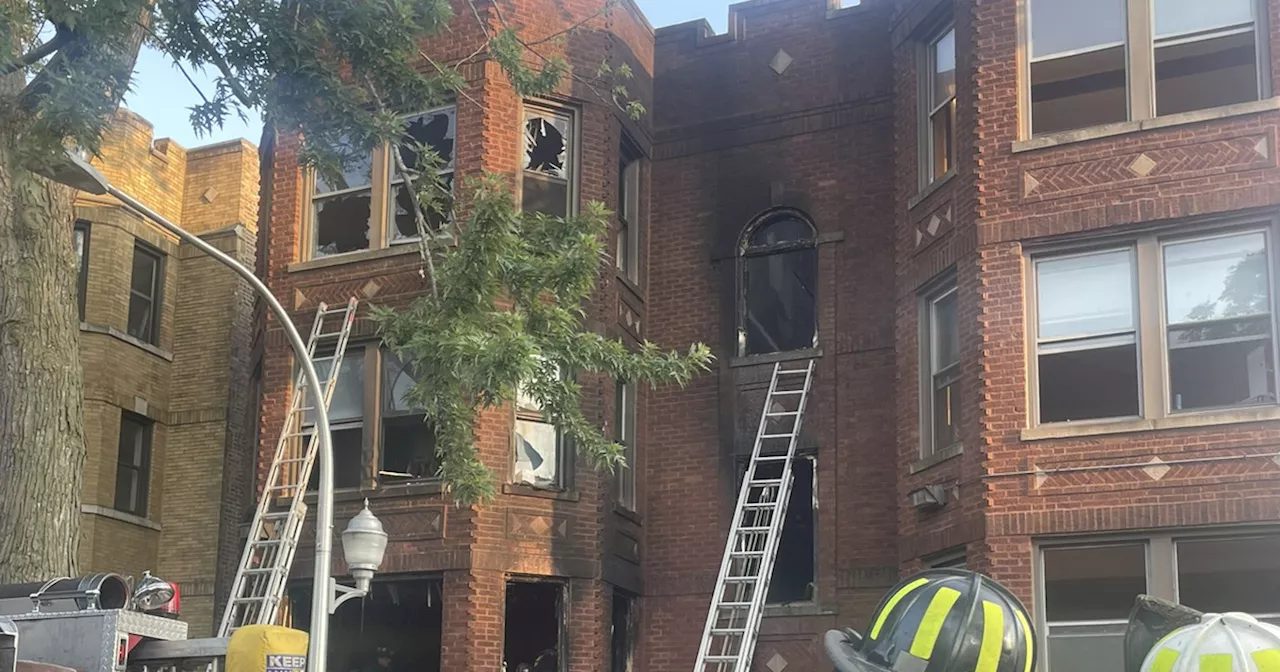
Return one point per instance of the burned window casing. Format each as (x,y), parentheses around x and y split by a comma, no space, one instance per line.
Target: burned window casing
(622,632)
(341,211)
(436,129)
(795,566)
(408,441)
(404,617)
(778,265)
(548,174)
(533,626)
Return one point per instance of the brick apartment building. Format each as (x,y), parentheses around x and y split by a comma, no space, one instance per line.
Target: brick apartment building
(1030,245)
(164,339)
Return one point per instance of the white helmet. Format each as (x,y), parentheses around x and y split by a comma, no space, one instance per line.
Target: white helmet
(1231,642)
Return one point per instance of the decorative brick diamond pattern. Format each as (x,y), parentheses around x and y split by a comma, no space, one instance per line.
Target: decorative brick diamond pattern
(1157,470)
(1178,162)
(776,663)
(521,524)
(933,225)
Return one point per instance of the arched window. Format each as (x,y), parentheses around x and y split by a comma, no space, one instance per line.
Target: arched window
(778,263)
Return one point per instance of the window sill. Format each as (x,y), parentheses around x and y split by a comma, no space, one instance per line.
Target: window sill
(773,357)
(929,190)
(627,513)
(120,335)
(352,257)
(105,512)
(952,451)
(797,609)
(522,490)
(1126,127)
(1181,420)
(630,284)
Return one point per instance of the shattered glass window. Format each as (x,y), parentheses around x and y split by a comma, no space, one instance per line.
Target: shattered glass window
(548,145)
(436,129)
(779,272)
(538,443)
(341,209)
(408,439)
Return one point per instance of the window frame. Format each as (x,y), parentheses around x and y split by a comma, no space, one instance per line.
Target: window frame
(394,180)
(1151,328)
(746,251)
(946,285)
(141,472)
(1140,72)
(385,398)
(573,152)
(927,61)
(382,183)
(564,457)
(152,336)
(370,432)
(83,228)
(626,412)
(631,637)
(1161,549)
(628,212)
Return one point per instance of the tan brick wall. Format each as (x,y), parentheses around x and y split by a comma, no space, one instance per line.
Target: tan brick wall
(184,382)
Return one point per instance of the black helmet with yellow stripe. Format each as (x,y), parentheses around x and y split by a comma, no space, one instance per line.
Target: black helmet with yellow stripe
(942,620)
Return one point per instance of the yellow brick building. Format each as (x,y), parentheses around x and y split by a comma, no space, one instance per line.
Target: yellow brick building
(166,335)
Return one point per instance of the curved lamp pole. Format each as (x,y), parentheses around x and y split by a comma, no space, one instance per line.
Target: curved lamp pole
(77,173)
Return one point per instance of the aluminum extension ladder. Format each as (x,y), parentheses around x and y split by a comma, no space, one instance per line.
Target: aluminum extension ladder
(273,538)
(733,621)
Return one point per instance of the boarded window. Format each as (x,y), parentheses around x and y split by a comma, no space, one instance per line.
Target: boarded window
(547,186)
(779,275)
(1077,63)
(341,205)
(1086,340)
(438,130)
(1218,307)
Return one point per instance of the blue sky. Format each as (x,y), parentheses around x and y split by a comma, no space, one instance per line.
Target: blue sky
(162,95)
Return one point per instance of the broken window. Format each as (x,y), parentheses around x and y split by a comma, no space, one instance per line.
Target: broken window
(548,161)
(795,566)
(622,632)
(941,99)
(341,210)
(1218,308)
(346,419)
(1088,593)
(625,434)
(779,266)
(532,627)
(1205,54)
(402,620)
(144,294)
(1086,340)
(408,441)
(1084,73)
(1077,63)
(81,233)
(942,397)
(628,258)
(539,444)
(133,465)
(436,129)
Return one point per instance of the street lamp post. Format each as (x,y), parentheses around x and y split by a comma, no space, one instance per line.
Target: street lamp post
(77,173)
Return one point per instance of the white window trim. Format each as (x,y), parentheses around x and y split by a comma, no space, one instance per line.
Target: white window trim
(1139,66)
(1153,356)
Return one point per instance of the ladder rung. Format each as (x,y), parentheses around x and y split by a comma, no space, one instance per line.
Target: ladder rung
(778,436)
(722,659)
(781,414)
(729,631)
(260,570)
(742,579)
(773,458)
(759,506)
(769,483)
(248,600)
(777,392)
(792,372)
(746,554)
(753,530)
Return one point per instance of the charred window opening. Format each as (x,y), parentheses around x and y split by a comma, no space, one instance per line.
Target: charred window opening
(548,161)
(342,209)
(779,266)
(534,621)
(346,419)
(622,635)
(1087,341)
(795,567)
(437,130)
(400,622)
(408,441)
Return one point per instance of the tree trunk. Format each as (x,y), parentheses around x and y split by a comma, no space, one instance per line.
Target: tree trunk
(41,415)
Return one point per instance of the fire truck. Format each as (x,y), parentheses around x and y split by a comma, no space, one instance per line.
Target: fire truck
(100,623)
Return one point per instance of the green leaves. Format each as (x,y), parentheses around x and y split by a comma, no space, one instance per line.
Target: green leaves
(510,311)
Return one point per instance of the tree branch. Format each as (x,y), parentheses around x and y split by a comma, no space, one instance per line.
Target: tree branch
(439,68)
(53,44)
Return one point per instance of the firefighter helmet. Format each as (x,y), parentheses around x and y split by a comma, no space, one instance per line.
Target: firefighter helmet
(941,620)
(1231,642)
